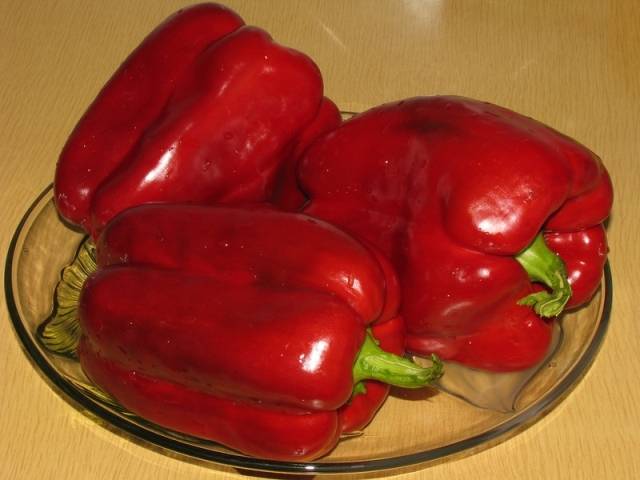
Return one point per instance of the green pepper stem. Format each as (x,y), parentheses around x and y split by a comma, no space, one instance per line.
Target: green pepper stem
(543,265)
(374,363)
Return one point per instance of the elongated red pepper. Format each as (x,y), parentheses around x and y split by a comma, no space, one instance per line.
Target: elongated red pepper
(456,192)
(203,111)
(206,305)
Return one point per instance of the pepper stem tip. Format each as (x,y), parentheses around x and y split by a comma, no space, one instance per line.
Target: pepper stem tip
(374,363)
(543,265)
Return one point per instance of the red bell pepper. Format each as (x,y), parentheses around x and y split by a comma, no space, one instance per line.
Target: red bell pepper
(456,193)
(202,111)
(198,315)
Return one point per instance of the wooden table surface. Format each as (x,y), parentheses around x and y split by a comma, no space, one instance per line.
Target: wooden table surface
(572,64)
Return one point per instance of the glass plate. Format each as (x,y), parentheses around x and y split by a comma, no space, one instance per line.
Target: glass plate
(435,424)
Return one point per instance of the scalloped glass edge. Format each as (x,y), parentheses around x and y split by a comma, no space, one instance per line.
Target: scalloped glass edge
(76,395)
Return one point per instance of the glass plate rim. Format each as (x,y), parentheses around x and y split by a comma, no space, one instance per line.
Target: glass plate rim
(512,426)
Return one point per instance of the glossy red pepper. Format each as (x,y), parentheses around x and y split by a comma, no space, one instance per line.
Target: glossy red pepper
(203,110)
(456,192)
(205,305)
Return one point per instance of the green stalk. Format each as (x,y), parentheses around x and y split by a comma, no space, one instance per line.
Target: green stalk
(374,363)
(544,266)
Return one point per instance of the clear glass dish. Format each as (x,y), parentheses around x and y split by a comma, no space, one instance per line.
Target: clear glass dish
(435,424)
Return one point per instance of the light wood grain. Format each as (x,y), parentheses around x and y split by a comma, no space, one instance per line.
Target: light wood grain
(572,64)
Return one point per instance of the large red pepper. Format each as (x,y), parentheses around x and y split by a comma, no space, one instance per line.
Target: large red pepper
(244,326)
(456,193)
(204,110)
